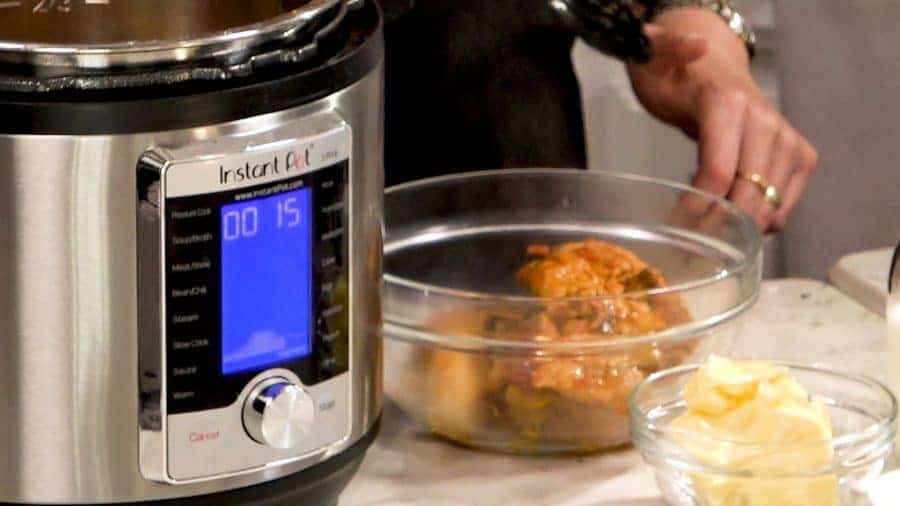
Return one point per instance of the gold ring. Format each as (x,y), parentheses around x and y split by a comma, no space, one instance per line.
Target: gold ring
(770,193)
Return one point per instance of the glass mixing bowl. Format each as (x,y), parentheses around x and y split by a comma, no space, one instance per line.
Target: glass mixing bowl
(862,412)
(475,359)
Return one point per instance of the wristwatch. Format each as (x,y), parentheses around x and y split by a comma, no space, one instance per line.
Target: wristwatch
(724,8)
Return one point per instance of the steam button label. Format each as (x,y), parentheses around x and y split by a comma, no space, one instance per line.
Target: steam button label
(185,318)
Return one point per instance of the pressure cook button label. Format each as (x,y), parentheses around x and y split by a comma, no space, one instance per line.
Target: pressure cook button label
(186,214)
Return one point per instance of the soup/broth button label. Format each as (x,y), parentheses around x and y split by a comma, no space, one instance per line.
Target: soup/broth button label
(189,239)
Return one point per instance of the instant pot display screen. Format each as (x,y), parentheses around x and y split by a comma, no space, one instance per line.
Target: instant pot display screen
(256,279)
(266,281)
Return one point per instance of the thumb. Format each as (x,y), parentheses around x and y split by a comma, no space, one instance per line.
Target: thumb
(672,50)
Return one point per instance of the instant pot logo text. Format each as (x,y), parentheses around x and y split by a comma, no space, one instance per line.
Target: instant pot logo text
(281,163)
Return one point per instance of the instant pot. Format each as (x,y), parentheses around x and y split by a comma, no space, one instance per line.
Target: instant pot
(190,249)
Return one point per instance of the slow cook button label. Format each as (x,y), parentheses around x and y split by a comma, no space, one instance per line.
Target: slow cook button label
(188,344)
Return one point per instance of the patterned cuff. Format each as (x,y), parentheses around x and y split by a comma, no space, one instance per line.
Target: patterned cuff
(724,8)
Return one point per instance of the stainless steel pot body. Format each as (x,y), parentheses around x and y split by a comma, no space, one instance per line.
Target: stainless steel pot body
(69,319)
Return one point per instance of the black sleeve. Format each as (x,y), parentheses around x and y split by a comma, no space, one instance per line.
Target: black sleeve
(611,26)
(394,8)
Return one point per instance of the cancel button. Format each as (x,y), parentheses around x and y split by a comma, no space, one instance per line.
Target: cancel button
(197,447)
(203,436)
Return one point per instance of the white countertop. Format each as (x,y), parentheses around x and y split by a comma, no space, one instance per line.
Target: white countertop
(793,320)
(864,277)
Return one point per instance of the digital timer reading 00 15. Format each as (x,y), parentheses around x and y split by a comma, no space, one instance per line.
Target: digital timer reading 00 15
(266,281)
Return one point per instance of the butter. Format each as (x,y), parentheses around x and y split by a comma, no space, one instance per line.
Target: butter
(774,430)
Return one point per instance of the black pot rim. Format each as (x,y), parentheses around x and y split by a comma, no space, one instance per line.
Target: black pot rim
(129,111)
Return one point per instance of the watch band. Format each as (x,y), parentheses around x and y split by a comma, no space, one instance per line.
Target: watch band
(724,8)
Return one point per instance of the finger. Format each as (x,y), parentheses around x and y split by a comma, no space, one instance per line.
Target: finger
(700,212)
(760,130)
(784,154)
(673,50)
(807,160)
(715,218)
(746,195)
(691,208)
(720,128)
(781,167)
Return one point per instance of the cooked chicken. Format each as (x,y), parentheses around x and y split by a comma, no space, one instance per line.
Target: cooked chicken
(594,291)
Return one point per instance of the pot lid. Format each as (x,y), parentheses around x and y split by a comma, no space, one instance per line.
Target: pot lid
(99,34)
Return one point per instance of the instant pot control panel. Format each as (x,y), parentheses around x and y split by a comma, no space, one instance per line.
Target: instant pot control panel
(243,285)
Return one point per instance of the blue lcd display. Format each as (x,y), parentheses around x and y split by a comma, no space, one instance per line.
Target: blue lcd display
(266,281)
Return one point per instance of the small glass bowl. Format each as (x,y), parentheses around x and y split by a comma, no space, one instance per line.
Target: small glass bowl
(466,352)
(862,411)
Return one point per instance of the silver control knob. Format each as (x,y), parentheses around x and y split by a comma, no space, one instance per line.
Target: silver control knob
(279,414)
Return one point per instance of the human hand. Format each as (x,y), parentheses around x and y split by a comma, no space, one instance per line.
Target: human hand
(699,80)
